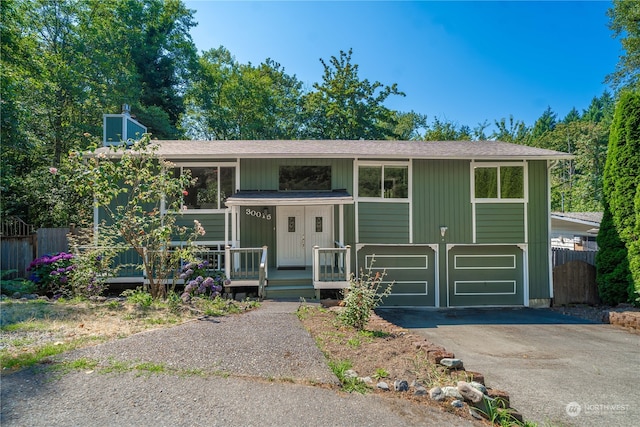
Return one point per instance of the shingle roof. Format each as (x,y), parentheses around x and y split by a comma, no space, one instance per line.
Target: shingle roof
(482,150)
(589,217)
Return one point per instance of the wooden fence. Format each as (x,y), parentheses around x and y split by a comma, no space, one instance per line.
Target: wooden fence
(562,256)
(20,245)
(574,277)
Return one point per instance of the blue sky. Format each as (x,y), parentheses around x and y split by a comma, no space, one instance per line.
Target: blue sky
(464,62)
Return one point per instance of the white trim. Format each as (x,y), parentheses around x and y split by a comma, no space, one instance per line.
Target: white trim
(455,262)
(455,288)
(368,265)
(425,293)
(498,165)
(550,165)
(410,191)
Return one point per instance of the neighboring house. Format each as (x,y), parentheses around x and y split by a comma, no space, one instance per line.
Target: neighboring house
(450,223)
(575,230)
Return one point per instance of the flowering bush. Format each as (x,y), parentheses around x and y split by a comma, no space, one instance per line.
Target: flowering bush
(51,273)
(199,283)
(362,296)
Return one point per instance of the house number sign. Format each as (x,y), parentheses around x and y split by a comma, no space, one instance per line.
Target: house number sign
(258,214)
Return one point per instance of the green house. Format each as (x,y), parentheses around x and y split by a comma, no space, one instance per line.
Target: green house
(451,224)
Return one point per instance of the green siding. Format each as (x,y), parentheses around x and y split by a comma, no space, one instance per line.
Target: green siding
(441,197)
(257,232)
(262,174)
(213,225)
(538,222)
(383,222)
(500,223)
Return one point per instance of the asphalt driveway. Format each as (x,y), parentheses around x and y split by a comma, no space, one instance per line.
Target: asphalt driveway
(557,369)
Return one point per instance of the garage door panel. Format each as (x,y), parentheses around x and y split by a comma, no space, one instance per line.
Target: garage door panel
(485,275)
(411,270)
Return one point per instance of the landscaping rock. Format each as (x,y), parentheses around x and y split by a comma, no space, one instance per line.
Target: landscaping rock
(436,394)
(470,393)
(383,386)
(366,380)
(457,403)
(401,385)
(478,386)
(435,356)
(451,363)
(450,391)
(350,373)
(419,391)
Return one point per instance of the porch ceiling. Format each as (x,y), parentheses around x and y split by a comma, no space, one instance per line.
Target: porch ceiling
(289,198)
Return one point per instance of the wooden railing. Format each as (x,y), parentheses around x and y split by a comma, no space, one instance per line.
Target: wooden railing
(247,267)
(331,267)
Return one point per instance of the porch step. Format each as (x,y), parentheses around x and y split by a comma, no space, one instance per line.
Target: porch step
(289,291)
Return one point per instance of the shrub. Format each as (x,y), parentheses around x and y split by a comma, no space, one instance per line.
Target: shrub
(612,265)
(199,283)
(361,297)
(51,273)
(11,286)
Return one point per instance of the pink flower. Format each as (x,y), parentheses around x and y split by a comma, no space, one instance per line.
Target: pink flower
(53,171)
(185,193)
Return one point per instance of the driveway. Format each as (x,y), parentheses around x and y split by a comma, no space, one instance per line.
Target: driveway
(558,369)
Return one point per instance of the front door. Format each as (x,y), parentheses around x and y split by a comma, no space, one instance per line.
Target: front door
(299,229)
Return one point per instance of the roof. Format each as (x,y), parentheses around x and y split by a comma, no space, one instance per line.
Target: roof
(251,198)
(589,218)
(362,149)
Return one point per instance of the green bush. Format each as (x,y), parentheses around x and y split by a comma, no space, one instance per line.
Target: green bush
(362,296)
(11,286)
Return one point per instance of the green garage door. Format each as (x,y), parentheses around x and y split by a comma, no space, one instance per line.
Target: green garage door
(485,275)
(410,269)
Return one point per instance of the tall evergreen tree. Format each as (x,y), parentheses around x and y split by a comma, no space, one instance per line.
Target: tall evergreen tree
(624,19)
(622,174)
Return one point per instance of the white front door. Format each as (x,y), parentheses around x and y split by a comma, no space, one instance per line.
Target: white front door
(299,229)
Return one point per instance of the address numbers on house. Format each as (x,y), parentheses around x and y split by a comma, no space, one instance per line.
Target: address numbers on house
(259,214)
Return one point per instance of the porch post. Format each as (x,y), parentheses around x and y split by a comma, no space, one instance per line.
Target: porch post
(341,223)
(234,225)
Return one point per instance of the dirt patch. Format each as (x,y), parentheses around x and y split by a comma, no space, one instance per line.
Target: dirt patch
(383,352)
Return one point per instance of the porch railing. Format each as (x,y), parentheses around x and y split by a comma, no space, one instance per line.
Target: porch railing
(247,267)
(331,267)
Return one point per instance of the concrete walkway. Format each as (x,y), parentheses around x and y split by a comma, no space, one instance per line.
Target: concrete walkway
(558,369)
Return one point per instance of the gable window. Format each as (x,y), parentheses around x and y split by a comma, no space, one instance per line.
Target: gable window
(305,178)
(499,182)
(383,181)
(212,187)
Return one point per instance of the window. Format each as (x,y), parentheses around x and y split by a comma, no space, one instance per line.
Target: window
(499,182)
(212,187)
(384,181)
(305,178)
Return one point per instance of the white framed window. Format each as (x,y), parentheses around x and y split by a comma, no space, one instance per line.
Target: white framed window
(389,180)
(498,182)
(214,184)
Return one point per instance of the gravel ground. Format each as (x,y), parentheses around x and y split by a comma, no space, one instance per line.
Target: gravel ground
(257,369)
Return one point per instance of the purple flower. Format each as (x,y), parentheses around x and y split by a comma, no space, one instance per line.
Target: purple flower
(183,276)
(189,272)
(208,282)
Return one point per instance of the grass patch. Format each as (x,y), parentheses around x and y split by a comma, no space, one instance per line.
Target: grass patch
(349,383)
(24,360)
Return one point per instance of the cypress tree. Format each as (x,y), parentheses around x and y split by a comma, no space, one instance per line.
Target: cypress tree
(621,181)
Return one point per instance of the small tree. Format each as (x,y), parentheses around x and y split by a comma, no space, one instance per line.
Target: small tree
(138,193)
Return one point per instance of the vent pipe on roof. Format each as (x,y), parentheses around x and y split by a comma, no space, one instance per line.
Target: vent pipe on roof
(126,109)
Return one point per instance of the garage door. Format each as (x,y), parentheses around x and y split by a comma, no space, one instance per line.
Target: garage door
(485,275)
(410,270)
